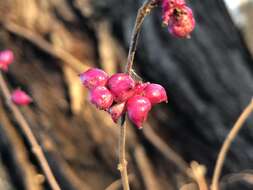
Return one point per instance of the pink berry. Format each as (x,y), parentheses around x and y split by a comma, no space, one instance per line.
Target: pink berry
(155,93)
(137,109)
(19,97)
(168,7)
(182,22)
(101,97)
(6,58)
(117,110)
(121,86)
(93,77)
(139,87)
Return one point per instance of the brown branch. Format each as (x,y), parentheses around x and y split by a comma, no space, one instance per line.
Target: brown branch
(122,166)
(168,152)
(37,40)
(26,129)
(142,13)
(29,174)
(227,143)
(148,175)
(116,184)
(198,172)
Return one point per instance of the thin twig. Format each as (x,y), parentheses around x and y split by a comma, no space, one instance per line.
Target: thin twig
(227,143)
(198,172)
(167,151)
(26,129)
(117,184)
(122,167)
(37,40)
(146,170)
(142,13)
(145,9)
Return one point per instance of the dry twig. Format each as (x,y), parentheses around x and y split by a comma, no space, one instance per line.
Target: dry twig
(26,129)
(142,13)
(146,170)
(227,143)
(37,40)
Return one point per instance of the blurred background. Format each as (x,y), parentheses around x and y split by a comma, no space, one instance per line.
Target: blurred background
(208,78)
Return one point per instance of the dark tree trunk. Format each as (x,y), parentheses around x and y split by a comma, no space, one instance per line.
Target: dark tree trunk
(208,78)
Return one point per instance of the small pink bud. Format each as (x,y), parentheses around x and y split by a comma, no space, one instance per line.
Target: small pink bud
(121,86)
(6,58)
(137,109)
(93,77)
(182,22)
(20,97)
(117,110)
(155,93)
(101,97)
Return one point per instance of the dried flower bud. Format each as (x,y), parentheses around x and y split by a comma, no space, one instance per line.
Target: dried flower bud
(20,97)
(168,7)
(101,97)
(137,109)
(93,77)
(117,110)
(121,86)
(155,93)
(6,58)
(182,22)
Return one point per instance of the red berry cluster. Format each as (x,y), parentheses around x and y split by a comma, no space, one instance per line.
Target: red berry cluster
(178,17)
(120,93)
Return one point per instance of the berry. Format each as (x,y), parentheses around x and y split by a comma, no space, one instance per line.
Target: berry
(121,86)
(93,77)
(20,97)
(101,97)
(168,7)
(6,58)
(139,87)
(137,109)
(182,22)
(117,110)
(155,93)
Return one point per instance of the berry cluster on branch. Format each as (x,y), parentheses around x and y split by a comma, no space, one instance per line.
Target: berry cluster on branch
(120,94)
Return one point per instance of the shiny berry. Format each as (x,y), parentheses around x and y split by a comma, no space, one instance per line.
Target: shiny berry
(182,22)
(101,97)
(155,93)
(20,97)
(122,86)
(137,109)
(6,58)
(93,77)
(117,110)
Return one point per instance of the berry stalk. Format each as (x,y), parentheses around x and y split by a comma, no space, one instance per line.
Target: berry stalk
(145,9)
(142,13)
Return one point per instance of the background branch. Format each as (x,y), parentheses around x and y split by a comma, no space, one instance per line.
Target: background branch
(36,149)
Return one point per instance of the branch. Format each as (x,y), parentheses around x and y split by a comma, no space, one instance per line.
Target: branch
(142,13)
(37,40)
(167,151)
(227,143)
(122,166)
(117,184)
(26,129)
